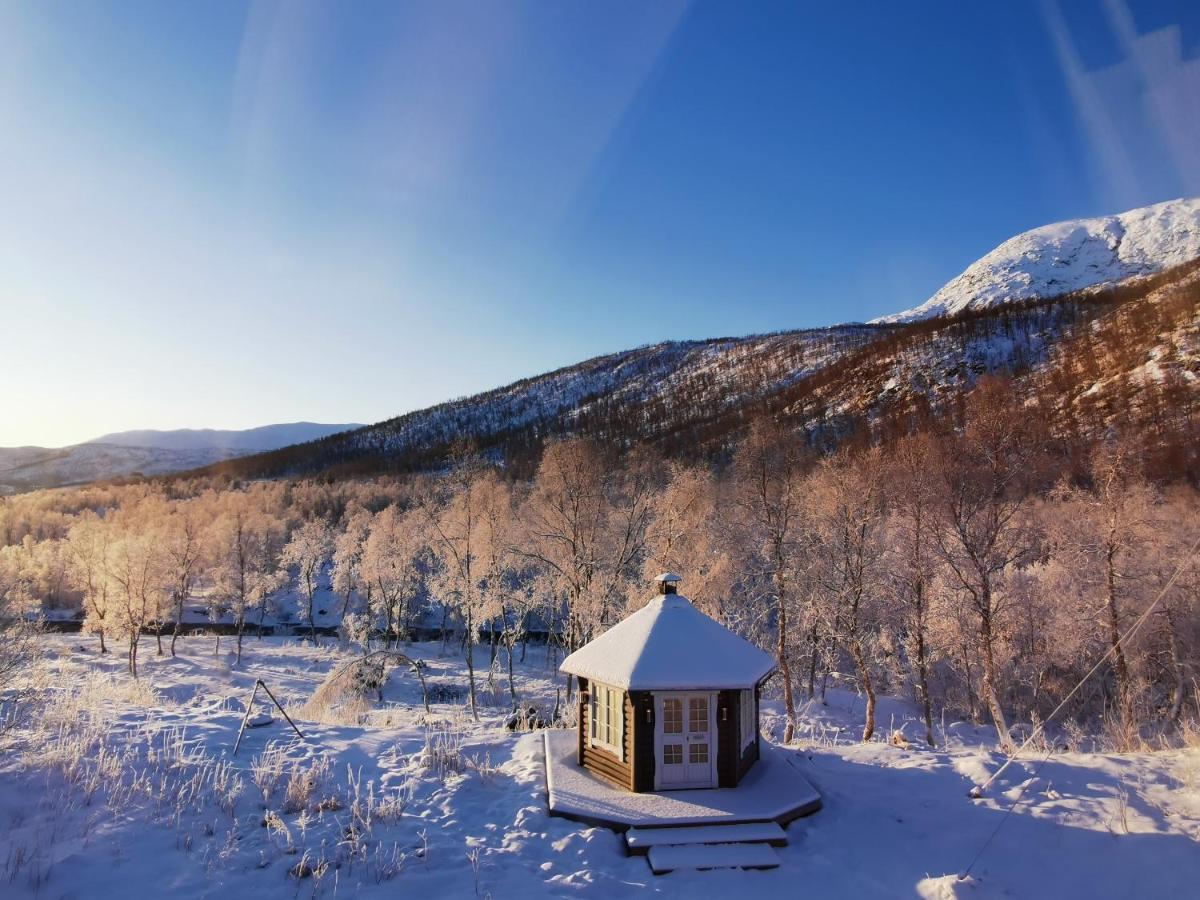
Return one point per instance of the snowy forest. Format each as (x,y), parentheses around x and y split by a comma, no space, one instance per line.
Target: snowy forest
(964,567)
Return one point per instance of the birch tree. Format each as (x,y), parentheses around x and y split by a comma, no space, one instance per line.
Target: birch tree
(307,551)
(769,472)
(914,464)
(982,527)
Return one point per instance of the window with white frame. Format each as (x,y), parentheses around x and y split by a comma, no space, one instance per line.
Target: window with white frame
(749,727)
(606,712)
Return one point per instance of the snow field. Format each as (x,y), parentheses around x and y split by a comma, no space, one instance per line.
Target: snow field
(114,786)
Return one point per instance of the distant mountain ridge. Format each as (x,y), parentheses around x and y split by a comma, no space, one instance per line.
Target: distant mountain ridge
(249,440)
(148,452)
(1070,256)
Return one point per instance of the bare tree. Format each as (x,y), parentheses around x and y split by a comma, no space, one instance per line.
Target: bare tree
(584,528)
(346,574)
(453,517)
(914,464)
(391,566)
(140,582)
(1102,536)
(183,546)
(846,494)
(769,472)
(89,544)
(243,552)
(307,551)
(982,530)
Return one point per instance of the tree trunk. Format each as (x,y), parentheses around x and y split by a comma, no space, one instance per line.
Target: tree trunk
(923,685)
(312,623)
(864,680)
(814,640)
(178,625)
(785,669)
(1177,668)
(103,648)
(1120,664)
(471,668)
(241,627)
(990,697)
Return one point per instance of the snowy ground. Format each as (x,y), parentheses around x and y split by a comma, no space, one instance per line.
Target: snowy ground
(121,789)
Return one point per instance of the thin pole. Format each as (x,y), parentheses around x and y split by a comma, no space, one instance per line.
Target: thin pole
(282,710)
(245,718)
(1121,641)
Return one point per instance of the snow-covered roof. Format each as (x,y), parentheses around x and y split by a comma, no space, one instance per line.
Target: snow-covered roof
(670,645)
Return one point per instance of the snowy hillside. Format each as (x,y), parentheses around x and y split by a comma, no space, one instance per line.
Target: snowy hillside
(664,392)
(1070,256)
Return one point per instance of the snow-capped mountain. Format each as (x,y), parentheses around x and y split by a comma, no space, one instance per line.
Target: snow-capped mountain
(146,453)
(1071,256)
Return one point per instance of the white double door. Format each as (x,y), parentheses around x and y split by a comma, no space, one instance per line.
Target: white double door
(685,740)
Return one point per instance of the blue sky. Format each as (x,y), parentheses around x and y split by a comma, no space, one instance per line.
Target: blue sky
(223,215)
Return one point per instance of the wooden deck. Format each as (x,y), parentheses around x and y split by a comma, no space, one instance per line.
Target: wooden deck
(774,790)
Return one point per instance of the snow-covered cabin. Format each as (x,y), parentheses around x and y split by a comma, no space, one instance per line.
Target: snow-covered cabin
(668,698)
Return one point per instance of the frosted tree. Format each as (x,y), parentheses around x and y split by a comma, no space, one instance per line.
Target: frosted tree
(689,534)
(583,527)
(914,463)
(391,566)
(18,637)
(1102,534)
(769,474)
(346,574)
(139,583)
(243,545)
(181,534)
(307,551)
(983,530)
(89,549)
(505,599)
(1175,529)
(451,512)
(845,496)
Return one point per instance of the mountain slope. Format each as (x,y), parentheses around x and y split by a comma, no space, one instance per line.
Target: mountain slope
(695,399)
(650,393)
(1071,256)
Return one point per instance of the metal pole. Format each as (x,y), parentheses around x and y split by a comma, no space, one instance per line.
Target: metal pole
(281,709)
(246,718)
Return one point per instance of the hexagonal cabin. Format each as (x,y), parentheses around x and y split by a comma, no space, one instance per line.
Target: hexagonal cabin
(668,698)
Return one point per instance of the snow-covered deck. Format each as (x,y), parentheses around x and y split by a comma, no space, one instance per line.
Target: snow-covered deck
(774,790)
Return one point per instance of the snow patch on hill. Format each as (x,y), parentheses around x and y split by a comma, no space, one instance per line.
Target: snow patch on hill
(1070,256)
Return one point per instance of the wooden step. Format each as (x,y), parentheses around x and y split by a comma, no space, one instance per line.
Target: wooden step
(639,840)
(670,858)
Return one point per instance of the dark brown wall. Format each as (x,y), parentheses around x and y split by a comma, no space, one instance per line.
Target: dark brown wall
(640,715)
(728,760)
(599,761)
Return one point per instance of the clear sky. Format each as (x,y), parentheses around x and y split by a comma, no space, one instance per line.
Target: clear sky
(215,214)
